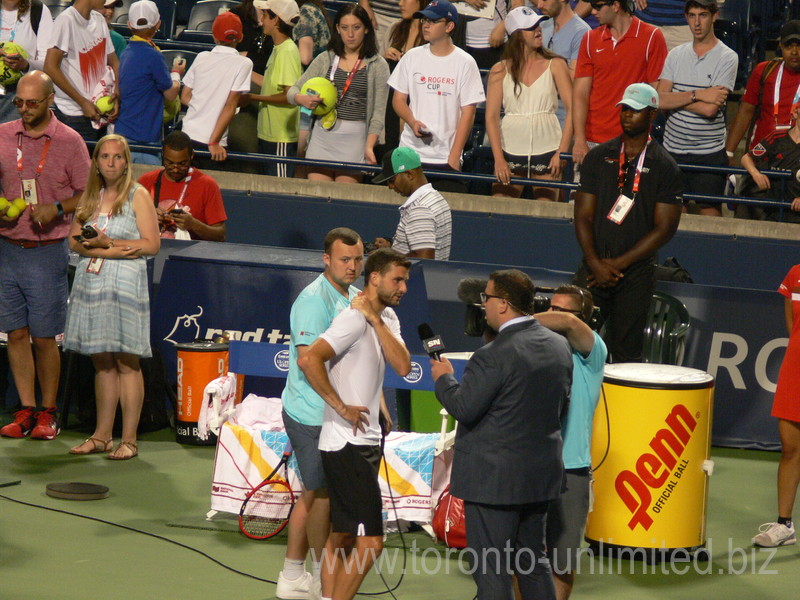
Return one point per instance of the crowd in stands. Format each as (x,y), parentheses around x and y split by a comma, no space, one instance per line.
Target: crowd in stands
(530,80)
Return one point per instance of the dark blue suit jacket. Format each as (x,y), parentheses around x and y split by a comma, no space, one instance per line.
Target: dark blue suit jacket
(509,407)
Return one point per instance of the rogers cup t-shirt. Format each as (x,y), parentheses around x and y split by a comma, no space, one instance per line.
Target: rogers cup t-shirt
(86,45)
(437,88)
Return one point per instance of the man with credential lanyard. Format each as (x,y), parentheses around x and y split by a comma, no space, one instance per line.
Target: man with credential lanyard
(188,202)
(46,163)
(627,207)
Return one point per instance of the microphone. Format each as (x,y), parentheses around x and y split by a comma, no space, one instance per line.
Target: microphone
(431,342)
(469,290)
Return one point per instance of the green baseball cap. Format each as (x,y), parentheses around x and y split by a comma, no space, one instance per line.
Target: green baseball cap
(397,161)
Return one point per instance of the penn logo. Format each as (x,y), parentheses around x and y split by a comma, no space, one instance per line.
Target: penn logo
(653,468)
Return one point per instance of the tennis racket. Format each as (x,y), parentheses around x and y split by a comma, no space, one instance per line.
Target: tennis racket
(265,511)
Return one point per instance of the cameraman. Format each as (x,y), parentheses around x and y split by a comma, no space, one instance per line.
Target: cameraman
(571,309)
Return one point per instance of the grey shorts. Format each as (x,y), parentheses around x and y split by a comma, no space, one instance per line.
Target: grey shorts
(566,518)
(305,442)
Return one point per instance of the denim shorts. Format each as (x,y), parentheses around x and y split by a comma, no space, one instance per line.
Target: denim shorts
(33,288)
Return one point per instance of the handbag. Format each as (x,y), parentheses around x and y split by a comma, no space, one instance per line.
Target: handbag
(449,523)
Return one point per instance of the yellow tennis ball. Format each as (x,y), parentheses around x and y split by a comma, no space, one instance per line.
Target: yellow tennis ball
(12,212)
(9,76)
(4,203)
(104,104)
(19,203)
(326,91)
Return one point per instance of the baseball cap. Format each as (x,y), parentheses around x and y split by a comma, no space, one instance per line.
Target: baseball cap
(523,17)
(286,10)
(790,32)
(438,9)
(638,96)
(143,14)
(397,161)
(112,3)
(227,28)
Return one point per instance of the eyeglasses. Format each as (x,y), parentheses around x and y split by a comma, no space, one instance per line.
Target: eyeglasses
(599,5)
(19,102)
(566,310)
(424,20)
(485,297)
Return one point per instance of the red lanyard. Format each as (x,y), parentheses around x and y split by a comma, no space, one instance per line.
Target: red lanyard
(43,158)
(350,76)
(623,171)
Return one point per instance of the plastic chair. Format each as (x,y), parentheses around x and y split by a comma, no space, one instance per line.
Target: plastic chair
(57,6)
(202,18)
(668,323)
(171,55)
(166,9)
(737,28)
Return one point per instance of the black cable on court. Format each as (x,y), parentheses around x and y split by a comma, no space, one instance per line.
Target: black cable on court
(200,552)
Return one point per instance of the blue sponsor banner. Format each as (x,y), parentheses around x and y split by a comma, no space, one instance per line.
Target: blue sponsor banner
(248,291)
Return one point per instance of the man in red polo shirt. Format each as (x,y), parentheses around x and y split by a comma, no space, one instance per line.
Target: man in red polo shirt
(46,163)
(622,51)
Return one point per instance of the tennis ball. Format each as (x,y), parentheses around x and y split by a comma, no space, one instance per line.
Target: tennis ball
(9,76)
(326,91)
(19,203)
(12,212)
(104,104)
(4,203)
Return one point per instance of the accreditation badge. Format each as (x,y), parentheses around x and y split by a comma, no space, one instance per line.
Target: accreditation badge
(620,210)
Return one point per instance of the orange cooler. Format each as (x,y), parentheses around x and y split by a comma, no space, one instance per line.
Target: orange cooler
(651,458)
(199,363)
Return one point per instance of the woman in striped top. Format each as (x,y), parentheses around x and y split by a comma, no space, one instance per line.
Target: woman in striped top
(360,74)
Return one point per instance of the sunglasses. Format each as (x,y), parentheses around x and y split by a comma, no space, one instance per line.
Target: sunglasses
(599,5)
(19,102)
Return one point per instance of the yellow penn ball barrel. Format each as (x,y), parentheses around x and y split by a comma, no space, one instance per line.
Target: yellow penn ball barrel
(651,456)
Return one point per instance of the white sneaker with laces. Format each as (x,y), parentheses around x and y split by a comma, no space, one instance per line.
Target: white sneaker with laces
(773,535)
(293,589)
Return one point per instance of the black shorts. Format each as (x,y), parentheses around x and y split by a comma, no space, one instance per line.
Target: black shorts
(529,166)
(699,182)
(356,504)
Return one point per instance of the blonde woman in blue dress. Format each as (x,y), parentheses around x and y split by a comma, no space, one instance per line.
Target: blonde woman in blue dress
(527,84)
(109,311)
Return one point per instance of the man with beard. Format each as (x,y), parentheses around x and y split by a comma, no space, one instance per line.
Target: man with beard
(627,207)
(46,163)
(357,346)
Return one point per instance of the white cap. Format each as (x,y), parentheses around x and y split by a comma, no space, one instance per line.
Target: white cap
(286,10)
(523,17)
(143,15)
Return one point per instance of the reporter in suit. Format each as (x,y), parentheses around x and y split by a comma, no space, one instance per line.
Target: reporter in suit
(507,466)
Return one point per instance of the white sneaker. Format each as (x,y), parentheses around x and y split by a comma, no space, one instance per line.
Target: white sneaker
(294,589)
(775,534)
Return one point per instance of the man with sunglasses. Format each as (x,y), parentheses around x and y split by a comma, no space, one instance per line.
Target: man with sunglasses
(507,468)
(46,163)
(628,205)
(571,308)
(188,202)
(622,51)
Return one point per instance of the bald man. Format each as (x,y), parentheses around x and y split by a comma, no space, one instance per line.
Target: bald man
(45,163)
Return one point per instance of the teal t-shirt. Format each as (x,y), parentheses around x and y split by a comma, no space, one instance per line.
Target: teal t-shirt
(587,377)
(312,313)
(279,123)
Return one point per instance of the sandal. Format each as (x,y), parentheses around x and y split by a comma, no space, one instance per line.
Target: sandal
(98,446)
(130,446)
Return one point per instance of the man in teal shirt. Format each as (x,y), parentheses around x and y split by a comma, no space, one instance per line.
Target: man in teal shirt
(312,313)
(570,310)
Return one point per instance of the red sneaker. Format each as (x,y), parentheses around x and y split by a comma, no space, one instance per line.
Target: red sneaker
(24,421)
(46,425)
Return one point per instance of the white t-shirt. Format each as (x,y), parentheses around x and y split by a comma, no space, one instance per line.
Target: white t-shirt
(356,373)
(86,45)
(437,88)
(36,45)
(212,77)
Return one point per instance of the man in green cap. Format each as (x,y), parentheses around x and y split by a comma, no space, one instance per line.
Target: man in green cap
(425,227)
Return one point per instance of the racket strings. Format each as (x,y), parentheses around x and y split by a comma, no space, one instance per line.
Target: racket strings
(267,509)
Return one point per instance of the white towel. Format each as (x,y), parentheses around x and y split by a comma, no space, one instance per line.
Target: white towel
(218,405)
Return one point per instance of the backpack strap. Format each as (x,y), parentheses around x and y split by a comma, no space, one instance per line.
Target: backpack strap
(36,15)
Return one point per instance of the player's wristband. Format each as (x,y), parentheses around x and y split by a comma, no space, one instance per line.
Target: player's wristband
(175,77)
(729,153)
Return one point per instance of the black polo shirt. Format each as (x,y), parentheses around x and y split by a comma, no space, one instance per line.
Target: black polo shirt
(661,181)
